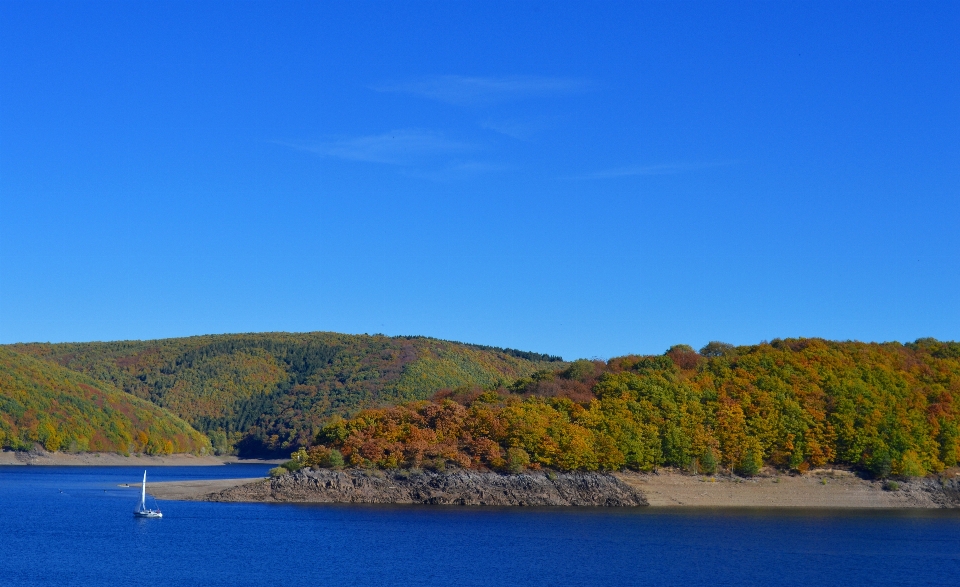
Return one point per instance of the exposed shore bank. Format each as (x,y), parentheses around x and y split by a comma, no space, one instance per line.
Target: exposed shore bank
(455,488)
(815,489)
(818,489)
(110,459)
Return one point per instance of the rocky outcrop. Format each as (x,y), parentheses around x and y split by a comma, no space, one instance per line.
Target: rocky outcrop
(940,491)
(459,487)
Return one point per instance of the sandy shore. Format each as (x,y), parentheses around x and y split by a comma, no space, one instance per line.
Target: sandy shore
(817,489)
(115,460)
(192,490)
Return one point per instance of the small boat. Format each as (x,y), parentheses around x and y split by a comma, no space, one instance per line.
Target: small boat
(142,511)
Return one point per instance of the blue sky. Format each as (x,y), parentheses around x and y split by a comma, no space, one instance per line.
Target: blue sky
(583,179)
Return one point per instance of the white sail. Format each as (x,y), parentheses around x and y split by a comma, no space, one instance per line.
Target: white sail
(143,493)
(142,511)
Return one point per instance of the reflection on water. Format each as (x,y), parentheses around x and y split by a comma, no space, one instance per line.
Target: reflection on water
(87,535)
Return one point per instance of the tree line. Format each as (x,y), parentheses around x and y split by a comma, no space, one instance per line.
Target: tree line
(795,404)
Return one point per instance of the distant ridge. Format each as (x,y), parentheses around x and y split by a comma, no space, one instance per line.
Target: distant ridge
(269,393)
(62,410)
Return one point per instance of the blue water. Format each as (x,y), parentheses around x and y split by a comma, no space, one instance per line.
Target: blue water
(86,535)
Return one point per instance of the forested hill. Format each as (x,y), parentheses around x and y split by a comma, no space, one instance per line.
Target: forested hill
(887,409)
(44,403)
(270,393)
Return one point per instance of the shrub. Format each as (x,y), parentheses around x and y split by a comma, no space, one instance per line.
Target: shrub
(708,462)
(517,460)
(291,466)
(910,465)
(880,463)
(717,349)
(334,459)
(438,465)
(321,456)
(298,460)
(684,356)
(278,471)
(749,464)
(797,458)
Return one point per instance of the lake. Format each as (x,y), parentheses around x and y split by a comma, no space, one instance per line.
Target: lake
(73,526)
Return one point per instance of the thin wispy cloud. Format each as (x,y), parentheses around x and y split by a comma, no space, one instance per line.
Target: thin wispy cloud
(399,147)
(419,153)
(461,89)
(458,170)
(658,169)
(520,129)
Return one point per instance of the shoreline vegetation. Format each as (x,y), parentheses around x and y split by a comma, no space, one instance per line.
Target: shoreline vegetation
(884,410)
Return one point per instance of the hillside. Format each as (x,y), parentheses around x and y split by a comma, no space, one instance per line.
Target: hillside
(885,409)
(44,403)
(270,393)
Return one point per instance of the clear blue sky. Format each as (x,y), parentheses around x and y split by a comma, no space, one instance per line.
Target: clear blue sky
(583,179)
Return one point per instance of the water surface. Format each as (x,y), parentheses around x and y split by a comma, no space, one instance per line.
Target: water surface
(73,526)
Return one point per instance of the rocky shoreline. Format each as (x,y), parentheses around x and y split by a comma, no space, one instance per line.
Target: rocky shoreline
(460,487)
(826,488)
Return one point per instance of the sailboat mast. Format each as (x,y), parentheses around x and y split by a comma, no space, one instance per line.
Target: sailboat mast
(143,492)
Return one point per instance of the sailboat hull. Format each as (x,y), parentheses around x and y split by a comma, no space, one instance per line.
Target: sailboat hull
(148,514)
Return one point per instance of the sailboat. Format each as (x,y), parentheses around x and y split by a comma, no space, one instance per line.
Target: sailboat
(142,511)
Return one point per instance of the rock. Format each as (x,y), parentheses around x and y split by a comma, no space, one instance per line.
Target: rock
(461,487)
(943,492)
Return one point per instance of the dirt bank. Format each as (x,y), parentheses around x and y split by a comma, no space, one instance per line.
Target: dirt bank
(821,489)
(191,490)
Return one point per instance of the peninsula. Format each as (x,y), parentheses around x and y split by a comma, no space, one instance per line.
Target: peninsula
(818,489)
